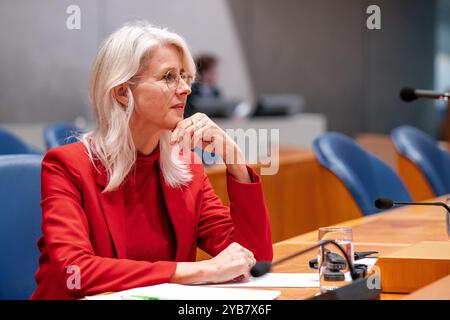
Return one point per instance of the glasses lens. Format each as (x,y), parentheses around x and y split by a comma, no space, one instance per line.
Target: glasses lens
(187,79)
(171,79)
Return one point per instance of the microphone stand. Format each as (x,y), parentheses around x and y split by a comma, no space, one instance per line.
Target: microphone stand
(441,204)
(358,289)
(385,204)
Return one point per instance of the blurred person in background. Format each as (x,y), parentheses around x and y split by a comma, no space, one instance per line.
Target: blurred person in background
(205,86)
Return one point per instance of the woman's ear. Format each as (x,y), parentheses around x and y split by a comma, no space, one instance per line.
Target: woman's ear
(120,93)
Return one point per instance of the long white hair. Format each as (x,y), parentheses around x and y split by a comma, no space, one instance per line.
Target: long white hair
(118,60)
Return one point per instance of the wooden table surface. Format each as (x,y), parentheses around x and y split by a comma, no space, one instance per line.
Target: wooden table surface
(385,232)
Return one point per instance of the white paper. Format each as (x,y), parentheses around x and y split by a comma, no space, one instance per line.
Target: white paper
(171,291)
(279,280)
(291,280)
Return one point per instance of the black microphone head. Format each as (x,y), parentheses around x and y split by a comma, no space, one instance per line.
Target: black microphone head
(260,268)
(384,203)
(408,94)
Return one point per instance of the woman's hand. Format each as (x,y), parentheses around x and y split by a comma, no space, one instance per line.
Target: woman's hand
(200,130)
(233,263)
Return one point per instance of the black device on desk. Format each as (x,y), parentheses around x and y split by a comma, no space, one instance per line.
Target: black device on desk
(313,264)
(356,290)
(336,263)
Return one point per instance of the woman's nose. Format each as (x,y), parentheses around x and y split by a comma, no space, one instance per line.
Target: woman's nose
(183,88)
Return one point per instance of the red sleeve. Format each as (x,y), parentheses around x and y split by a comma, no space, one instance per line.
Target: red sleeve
(245,222)
(66,232)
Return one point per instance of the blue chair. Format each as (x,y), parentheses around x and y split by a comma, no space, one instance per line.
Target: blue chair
(11,144)
(56,135)
(20,224)
(425,153)
(363,174)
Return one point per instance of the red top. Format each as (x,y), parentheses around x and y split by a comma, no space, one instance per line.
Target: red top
(87,240)
(150,235)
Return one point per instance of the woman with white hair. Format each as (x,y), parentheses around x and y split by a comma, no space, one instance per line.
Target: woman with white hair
(128,205)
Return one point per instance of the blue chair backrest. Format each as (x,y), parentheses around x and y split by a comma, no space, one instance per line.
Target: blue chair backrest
(426,154)
(11,144)
(56,135)
(20,224)
(363,174)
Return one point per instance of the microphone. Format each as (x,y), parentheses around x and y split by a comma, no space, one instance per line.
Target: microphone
(263,267)
(409,94)
(358,289)
(385,203)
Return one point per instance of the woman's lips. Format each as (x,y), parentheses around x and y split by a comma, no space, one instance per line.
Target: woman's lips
(178,106)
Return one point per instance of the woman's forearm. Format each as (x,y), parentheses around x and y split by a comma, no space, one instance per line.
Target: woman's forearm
(233,262)
(235,162)
(191,272)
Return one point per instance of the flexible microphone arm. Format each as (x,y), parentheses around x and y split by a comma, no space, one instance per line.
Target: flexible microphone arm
(385,203)
(263,267)
(441,204)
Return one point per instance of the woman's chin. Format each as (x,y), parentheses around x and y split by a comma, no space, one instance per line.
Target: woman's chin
(172,124)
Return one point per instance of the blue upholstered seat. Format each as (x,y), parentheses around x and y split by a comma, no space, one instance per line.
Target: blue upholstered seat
(363,174)
(56,135)
(20,224)
(425,153)
(11,144)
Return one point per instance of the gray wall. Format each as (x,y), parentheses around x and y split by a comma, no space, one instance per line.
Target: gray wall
(322,49)
(319,48)
(44,67)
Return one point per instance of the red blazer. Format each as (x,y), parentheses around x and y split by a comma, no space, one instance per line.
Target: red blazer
(85,228)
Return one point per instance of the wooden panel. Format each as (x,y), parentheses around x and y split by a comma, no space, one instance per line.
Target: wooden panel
(336,203)
(380,145)
(414,179)
(415,266)
(438,290)
(301,197)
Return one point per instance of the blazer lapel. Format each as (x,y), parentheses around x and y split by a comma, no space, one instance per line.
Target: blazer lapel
(113,208)
(181,208)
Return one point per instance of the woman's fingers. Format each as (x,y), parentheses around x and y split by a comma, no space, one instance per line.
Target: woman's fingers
(233,263)
(188,123)
(250,256)
(238,247)
(238,251)
(238,268)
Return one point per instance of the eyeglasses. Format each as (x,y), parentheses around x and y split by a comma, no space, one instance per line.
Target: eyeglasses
(172,79)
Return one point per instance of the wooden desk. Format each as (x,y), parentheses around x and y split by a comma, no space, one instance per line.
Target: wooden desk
(301,197)
(438,290)
(385,232)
